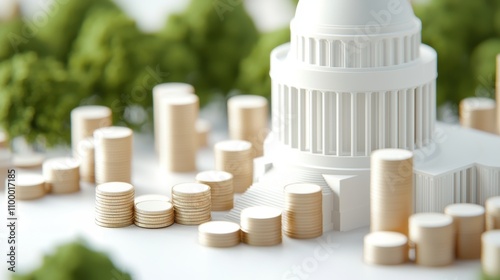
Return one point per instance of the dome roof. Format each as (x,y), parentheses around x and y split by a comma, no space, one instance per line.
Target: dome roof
(336,13)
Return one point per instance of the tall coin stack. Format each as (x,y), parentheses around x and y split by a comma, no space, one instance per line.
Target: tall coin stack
(219,234)
(165,90)
(87,159)
(178,142)
(468,220)
(478,113)
(235,157)
(261,226)
(153,213)
(303,211)
(433,236)
(114,204)
(221,188)
(248,120)
(113,154)
(85,120)
(62,175)
(490,257)
(191,203)
(385,248)
(391,190)
(493,213)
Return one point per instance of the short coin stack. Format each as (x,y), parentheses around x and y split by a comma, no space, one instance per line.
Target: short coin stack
(468,220)
(113,154)
(303,212)
(62,175)
(219,234)
(433,236)
(85,120)
(235,157)
(478,113)
(153,212)
(165,90)
(221,188)
(248,120)
(385,248)
(261,226)
(30,186)
(391,190)
(178,142)
(87,159)
(191,203)
(493,213)
(490,257)
(114,204)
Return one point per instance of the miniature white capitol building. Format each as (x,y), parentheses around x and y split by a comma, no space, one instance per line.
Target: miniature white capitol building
(355,78)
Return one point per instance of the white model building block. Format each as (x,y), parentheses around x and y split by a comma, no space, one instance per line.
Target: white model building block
(355,78)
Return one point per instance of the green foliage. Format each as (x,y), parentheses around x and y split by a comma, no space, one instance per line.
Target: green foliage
(64,19)
(74,261)
(483,62)
(36,97)
(455,28)
(254,70)
(221,33)
(90,52)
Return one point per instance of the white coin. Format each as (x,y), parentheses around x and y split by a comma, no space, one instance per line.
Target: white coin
(213,176)
(386,239)
(153,206)
(112,132)
(91,112)
(114,188)
(190,188)
(464,210)
(27,160)
(260,212)
(29,180)
(219,227)
(302,188)
(63,163)
(392,154)
(233,146)
(247,101)
(430,220)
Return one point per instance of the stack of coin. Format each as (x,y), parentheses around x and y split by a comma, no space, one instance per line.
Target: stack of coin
(468,220)
(87,159)
(248,120)
(385,248)
(191,203)
(478,113)
(178,142)
(114,204)
(203,128)
(235,157)
(165,90)
(113,154)
(219,234)
(493,213)
(62,175)
(261,226)
(221,188)
(154,213)
(85,120)
(433,236)
(28,160)
(490,257)
(30,186)
(303,211)
(391,190)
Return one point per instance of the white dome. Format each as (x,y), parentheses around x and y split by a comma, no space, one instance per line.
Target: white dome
(354,12)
